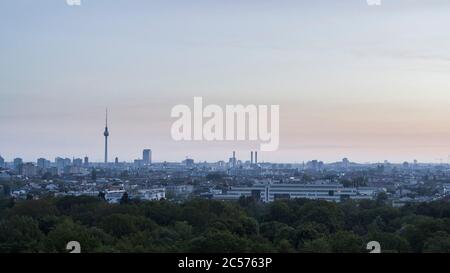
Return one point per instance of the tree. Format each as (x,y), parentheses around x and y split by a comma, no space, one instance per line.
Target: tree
(34,208)
(417,229)
(89,238)
(320,245)
(102,195)
(438,243)
(346,242)
(276,231)
(284,246)
(124,199)
(12,202)
(120,225)
(309,231)
(381,198)
(20,234)
(280,211)
(6,190)
(390,242)
(328,214)
(47,224)
(183,229)
(218,242)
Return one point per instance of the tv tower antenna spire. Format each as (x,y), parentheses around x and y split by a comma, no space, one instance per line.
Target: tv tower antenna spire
(106,134)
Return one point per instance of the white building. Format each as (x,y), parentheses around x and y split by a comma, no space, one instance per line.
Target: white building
(180,189)
(271,192)
(152,194)
(370,191)
(446,188)
(114,196)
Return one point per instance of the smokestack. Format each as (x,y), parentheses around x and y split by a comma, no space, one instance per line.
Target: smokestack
(251,157)
(256,157)
(234,159)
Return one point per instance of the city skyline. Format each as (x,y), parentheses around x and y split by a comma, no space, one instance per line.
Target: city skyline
(357,81)
(147,156)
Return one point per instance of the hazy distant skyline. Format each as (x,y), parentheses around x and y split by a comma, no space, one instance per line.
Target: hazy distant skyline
(367,83)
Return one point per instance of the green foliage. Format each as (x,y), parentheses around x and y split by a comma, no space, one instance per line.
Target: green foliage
(219,242)
(120,225)
(391,242)
(309,231)
(346,242)
(438,243)
(20,234)
(319,245)
(199,225)
(67,230)
(326,213)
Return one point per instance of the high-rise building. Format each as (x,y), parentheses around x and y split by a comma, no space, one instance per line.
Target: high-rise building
(2,162)
(147,156)
(138,163)
(18,162)
(43,163)
(116,161)
(188,162)
(28,169)
(106,134)
(67,162)
(345,162)
(59,162)
(77,162)
(86,161)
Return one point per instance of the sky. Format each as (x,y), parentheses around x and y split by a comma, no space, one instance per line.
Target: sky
(365,82)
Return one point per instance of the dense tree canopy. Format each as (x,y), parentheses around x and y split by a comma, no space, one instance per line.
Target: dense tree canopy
(48,224)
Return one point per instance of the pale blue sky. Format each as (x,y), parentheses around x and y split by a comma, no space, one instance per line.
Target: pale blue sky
(368,83)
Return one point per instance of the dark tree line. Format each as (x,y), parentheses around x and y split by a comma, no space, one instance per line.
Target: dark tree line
(300,225)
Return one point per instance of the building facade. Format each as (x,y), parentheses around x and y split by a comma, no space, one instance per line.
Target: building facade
(147,156)
(271,192)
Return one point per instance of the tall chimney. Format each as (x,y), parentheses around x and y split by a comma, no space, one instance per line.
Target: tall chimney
(251,157)
(256,157)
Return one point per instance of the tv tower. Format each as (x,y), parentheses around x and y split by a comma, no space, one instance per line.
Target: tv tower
(106,134)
